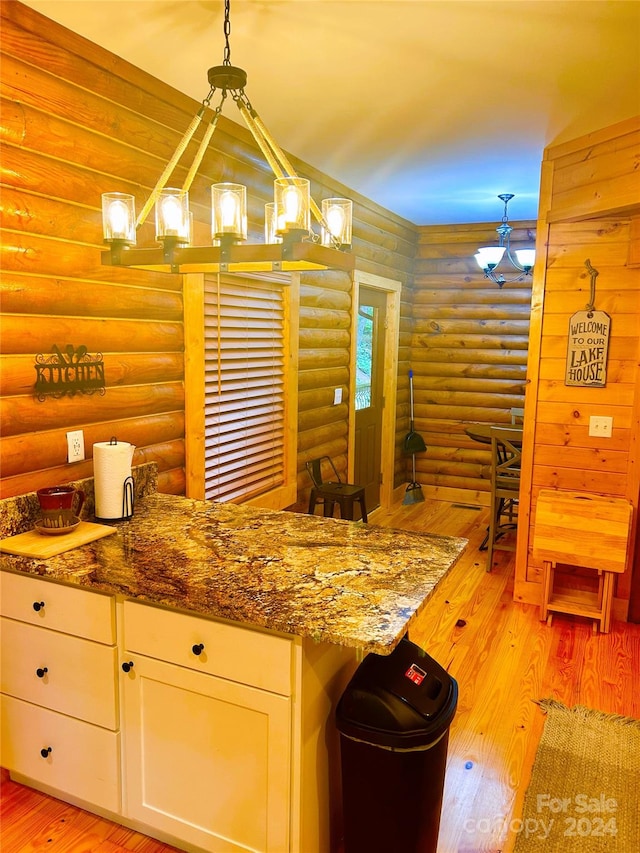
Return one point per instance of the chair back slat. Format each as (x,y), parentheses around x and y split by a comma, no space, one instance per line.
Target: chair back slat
(506,457)
(315,466)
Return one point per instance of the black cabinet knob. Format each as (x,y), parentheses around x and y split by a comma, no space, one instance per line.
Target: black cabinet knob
(45,752)
(38,605)
(127,666)
(198,648)
(41,671)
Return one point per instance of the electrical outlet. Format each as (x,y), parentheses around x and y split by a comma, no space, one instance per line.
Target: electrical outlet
(75,446)
(600,426)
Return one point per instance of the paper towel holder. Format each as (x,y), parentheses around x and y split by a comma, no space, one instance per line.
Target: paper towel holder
(128,499)
(128,492)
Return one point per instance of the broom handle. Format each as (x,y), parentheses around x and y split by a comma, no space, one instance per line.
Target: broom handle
(411,395)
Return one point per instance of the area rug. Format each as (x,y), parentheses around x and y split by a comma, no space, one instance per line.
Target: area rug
(585,785)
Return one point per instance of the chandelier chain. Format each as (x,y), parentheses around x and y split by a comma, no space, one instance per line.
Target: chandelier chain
(206,102)
(227,33)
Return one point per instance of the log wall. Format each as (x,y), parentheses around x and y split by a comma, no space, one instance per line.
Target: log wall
(78,121)
(589,209)
(469,347)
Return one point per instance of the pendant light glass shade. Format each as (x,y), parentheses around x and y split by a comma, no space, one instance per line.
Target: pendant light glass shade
(229,211)
(526,258)
(172,215)
(489,256)
(337,213)
(270,235)
(119,218)
(293,204)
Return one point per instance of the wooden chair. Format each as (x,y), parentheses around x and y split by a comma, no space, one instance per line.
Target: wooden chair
(586,530)
(334,491)
(506,455)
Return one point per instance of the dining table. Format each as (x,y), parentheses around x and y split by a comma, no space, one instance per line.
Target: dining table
(482,432)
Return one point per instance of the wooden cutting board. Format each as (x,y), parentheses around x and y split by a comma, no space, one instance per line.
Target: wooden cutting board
(43,545)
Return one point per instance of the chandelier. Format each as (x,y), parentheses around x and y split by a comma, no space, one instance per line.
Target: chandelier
(290,243)
(489,257)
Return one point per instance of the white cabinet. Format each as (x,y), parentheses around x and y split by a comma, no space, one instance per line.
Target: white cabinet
(207,755)
(214,736)
(59,689)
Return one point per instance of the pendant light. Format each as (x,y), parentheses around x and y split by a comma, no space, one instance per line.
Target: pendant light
(489,257)
(291,243)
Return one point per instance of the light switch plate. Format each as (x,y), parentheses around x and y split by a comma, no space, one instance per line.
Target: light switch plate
(337,396)
(75,446)
(600,426)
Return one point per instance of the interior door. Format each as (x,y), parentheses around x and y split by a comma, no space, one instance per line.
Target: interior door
(369,403)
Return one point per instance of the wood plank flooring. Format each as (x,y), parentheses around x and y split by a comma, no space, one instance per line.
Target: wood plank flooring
(503,658)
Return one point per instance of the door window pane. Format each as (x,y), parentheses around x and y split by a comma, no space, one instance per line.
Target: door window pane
(364,357)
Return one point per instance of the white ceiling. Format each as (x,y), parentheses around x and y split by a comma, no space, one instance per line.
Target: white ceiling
(429,108)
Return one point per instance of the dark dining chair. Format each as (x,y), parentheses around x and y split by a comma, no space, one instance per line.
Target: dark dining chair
(333,491)
(506,457)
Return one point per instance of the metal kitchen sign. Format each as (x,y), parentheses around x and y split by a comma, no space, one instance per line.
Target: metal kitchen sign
(71,372)
(588,345)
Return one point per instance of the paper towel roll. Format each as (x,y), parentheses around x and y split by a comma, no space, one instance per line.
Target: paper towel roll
(111,479)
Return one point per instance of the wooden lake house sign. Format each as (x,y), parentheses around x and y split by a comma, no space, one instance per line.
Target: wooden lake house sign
(588,344)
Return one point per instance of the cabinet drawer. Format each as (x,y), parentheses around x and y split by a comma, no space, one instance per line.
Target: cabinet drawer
(229,651)
(80,677)
(62,608)
(84,759)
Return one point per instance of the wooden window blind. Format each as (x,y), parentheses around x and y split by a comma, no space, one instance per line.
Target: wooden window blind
(245,342)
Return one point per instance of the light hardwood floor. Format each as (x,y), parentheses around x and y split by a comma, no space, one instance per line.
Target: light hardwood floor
(503,658)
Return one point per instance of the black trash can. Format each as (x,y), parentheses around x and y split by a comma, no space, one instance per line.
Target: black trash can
(394,719)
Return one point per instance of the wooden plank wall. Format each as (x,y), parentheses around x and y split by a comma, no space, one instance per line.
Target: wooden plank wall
(468,353)
(590,197)
(78,121)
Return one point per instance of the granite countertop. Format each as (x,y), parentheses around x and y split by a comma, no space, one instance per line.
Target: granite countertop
(334,581)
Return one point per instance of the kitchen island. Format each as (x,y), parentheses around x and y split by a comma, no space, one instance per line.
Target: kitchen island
(228,633)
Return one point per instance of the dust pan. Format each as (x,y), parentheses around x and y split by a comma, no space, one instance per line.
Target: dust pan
(413,441)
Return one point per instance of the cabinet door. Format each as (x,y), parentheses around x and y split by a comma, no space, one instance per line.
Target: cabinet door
(207,760)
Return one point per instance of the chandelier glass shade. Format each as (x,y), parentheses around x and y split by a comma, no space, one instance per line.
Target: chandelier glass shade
(337,213)
(290,242)
(488,257)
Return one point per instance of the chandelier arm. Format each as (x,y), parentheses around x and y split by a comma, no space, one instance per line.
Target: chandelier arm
(262,143)
(513,260)
(166,174)
(274,155)
(282,157)
(206,139)
(317,213)
(500,280)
